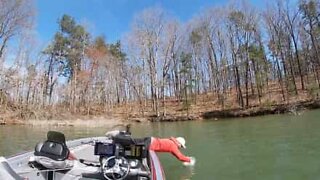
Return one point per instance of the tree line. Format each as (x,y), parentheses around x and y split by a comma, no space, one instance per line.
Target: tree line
(236,50)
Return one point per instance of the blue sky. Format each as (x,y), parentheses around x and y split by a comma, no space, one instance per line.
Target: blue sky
(111,18)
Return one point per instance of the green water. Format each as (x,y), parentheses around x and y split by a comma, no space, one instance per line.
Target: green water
(266,148)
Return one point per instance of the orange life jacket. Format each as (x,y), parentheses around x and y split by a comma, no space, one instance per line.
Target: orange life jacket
(168,145)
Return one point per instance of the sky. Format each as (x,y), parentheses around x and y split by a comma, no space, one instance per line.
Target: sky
(111,18)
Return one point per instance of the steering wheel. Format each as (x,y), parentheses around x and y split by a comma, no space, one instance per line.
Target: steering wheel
(115,168)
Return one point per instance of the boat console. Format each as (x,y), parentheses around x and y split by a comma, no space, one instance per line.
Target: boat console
(125,157)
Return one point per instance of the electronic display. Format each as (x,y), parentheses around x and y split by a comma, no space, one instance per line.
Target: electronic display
(133,151)
(104,149)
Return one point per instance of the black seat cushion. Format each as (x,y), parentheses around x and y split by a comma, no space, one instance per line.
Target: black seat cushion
(56,137)
(54,147)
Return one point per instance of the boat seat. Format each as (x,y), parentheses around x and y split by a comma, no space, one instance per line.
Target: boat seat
(54,147)
(53,153)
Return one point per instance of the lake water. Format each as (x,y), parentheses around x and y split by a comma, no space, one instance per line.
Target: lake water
(274,147)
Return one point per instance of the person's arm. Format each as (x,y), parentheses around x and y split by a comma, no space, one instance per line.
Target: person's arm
(179,155)
(71,156)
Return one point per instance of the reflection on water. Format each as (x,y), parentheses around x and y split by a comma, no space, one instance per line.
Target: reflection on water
(188,173)
(264,148)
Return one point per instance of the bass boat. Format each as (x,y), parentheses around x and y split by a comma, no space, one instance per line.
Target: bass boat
(116,156)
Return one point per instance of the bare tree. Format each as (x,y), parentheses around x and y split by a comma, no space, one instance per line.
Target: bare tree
(15,16)
(148,29)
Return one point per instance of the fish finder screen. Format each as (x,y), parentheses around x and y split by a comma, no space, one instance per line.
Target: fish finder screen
(104,149)
(133,151)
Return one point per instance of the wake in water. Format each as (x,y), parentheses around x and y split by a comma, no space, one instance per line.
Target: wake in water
(190,169)
(189,172)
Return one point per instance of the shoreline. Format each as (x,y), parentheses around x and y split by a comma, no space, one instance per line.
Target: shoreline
(86,122)
(216,115)
(292,108)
